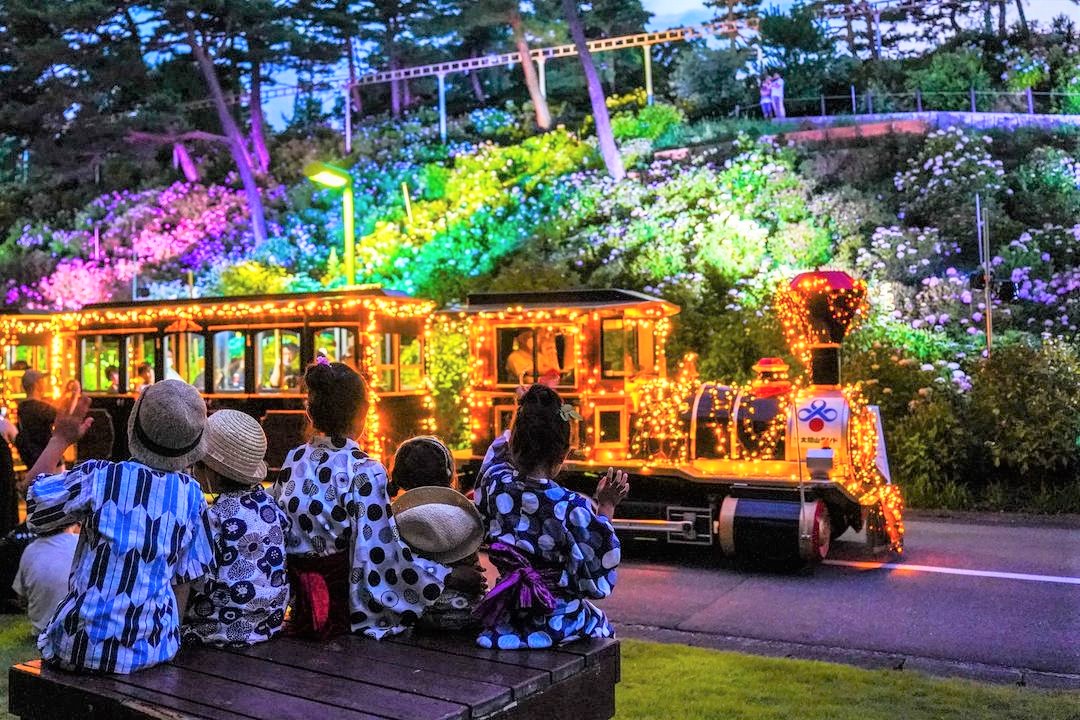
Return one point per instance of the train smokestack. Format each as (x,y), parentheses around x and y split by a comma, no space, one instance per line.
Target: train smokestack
(817,312)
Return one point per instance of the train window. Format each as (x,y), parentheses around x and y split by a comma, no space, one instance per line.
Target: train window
(336,344)
(20,358)
(387,367)
(527,355)
(101,364)
(229,361)
(628,347)
(277,360)
(504,418)
(410,362)
(141,358)
(610,426)
(185,358)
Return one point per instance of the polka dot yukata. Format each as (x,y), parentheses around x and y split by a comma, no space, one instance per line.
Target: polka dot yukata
(337,500)
(555,528)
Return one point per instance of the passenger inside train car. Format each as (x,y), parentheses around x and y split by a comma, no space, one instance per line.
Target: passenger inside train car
(534,354)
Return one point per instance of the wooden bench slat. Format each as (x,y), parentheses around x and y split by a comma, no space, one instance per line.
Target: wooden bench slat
(481,696)
(522,681)
(339,693)
(561,665)
(45,693)
(255,700)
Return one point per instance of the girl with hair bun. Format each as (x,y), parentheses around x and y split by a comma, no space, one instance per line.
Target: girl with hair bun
(348,569)
(554,549)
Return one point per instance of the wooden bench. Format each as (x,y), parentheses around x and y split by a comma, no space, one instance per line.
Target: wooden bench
(423,677)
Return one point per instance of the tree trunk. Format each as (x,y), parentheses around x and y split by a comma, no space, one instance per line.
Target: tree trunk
(871,33)
(1003,25)
(608,149)
(477,88)
(354,89)
(182,159)
(1023,18)
(258,125)
(532,80)
(235,138)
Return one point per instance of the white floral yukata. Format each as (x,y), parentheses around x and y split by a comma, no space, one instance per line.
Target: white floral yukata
(558,529)
(337,500)
(243,601)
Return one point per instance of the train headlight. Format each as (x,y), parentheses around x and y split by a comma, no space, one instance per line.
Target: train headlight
(819,461)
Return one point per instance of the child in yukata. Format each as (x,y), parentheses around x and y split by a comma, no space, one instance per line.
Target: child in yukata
(144,534)
(348,569)
(440,524)
(554,549)
(243,601)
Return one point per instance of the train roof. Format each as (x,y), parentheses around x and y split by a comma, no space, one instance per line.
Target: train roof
(360,291)
(584,299)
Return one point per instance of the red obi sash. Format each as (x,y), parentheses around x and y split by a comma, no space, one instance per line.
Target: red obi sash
(320,590)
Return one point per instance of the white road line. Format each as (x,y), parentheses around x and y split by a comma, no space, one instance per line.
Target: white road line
(870,565)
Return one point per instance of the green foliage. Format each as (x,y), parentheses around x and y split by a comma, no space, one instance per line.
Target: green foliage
(252,278)
(1047,188)
(649,122)
(448,371)
(947,81)
(1041,385)
(707,80)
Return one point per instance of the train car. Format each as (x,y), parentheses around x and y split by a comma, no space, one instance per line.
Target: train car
(771,471)
(246,353)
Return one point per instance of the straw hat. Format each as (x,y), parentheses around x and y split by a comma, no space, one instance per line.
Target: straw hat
(166,426)
(236,446)
(439,523)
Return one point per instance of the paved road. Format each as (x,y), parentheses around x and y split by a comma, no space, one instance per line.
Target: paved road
(1017,612)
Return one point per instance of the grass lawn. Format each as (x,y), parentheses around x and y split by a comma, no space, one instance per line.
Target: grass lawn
(677,682)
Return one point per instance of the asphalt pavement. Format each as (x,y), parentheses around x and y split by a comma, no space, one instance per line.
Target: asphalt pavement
(997,602)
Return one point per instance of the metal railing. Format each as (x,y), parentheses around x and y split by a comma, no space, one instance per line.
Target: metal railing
(868,102)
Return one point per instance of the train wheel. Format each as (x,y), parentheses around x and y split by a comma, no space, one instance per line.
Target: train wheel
(815,531)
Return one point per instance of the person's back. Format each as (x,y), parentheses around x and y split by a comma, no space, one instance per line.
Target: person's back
(42,579)
(241,601)
(144,531)
(36,418)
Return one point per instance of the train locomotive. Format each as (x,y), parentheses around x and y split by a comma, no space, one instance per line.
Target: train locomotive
(770,471)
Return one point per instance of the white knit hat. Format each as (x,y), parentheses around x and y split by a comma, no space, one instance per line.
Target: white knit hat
(166,429)
(236,446)
(439,523)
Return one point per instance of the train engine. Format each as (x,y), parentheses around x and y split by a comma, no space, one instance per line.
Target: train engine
(779,468)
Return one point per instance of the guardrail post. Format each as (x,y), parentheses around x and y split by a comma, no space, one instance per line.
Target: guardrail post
(918,100)
(823,105)
(442,106)
(854,107)
(1030,102)
(974,107)
(541,72)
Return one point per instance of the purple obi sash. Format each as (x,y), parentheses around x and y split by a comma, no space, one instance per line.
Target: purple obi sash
(523,589)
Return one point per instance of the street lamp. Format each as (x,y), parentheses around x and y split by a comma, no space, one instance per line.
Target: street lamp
(335,177)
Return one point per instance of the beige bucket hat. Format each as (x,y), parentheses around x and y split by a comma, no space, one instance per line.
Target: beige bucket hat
(166,429)
(439,523)
(236,446)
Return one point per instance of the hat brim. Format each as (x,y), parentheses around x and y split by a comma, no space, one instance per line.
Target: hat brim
(224,470)
(161,462)
(440,495)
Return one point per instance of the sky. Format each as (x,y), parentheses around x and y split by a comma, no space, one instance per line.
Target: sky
(673,13)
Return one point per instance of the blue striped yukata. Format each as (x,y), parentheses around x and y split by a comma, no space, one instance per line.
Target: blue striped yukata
(143,530)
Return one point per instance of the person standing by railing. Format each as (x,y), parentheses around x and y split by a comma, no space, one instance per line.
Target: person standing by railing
(766,97)
(776,93)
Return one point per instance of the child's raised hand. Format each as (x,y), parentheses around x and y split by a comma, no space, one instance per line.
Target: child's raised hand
(612,489)
(71,428)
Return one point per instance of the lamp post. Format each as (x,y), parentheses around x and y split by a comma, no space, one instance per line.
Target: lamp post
(339,178)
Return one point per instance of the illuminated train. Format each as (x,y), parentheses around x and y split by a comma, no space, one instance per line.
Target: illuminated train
(772,470)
